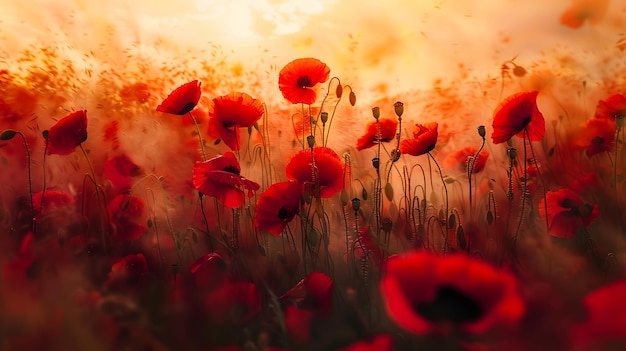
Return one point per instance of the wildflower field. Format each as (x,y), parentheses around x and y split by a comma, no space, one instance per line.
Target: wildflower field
(200,176)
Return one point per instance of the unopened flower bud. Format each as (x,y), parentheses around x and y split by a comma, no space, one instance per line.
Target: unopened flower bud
(356,204)
(376,112)
(45,134)
(519,71)
(352,98)
(7,134)
(395,155)
(339,91)
(398,108)
(376,162)
(481,131)
(324,117)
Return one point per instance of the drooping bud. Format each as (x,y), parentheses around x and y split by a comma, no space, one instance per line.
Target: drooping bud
(398,107)
(352,98)
(376,112)
(395,155)
(482,132)
(356,204)
(324,117)
(519,71)
(311,141)
(45,134)
(376,162)
(339,91)
(8,134)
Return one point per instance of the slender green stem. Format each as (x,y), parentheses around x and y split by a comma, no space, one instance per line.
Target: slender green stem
(195,123)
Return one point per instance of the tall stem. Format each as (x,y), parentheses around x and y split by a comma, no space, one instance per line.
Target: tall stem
(195,123)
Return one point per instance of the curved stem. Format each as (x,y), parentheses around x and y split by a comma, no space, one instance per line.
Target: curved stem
(195,123)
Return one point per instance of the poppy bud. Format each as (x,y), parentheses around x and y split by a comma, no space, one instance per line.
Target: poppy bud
(339,91)
(364,194)
(398,108)
(45,134)
(481,131)
(352,98)
(376,162)
(512,153)
(324,117)
(395,155)
(376,112)
(386,225)
(7,134)
(519,71)
(356,204)
(311,141)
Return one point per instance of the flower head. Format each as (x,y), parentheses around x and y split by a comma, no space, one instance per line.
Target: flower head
(182,100)
(387,127)
(130,271)
(612,107)
(230,112)
(313,293)
(326,176)
(234,303)
(460,158)
(277,206)
(298,78)
(516,114)
(424,140)
(219,177)
(422,290)
(127,212)
(567,212)
(120,171)
(597,136)
(69,132)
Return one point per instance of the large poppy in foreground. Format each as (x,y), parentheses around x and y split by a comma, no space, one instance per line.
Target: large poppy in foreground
(567,212)
(320,170)
(606,318)
(69,132)
(516,114)
(299,77)
(182,100)
(277,206)
(219,177)
(424,140)
(597,136)
(230,112)
(388,128)
(422,291)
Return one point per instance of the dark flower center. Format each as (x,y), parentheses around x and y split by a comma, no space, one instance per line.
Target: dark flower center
(187,108)
(597,141)
(526,121)
(283,214)
(450,305)
(430,148)
(304,82)
(231,169)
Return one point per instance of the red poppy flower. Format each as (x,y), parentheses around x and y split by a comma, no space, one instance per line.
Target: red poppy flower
(422,291)
(328,171)
(129,271)
(459,159)
(313,293)
(298,324)
(209,271)
(597,136)
(388,129)
(234,303)
(120,171)
(381,342)
(219,177)
(567,212)
(424,140)
(515,114)
(230,112)
(52,199)
(297,79)
(606,322)
(182,100)
(612,107)
(69,132)
(277,206)
(127,211)
(581,10)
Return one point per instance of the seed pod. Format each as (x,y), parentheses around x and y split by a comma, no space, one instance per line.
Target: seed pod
(481,131)
(376,112)
(324,117)
(376,162)
(352,98)
(339,91)
(398,107)
(310,141)
(356,204)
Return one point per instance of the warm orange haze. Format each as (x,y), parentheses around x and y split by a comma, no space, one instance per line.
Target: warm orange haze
(312,175)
